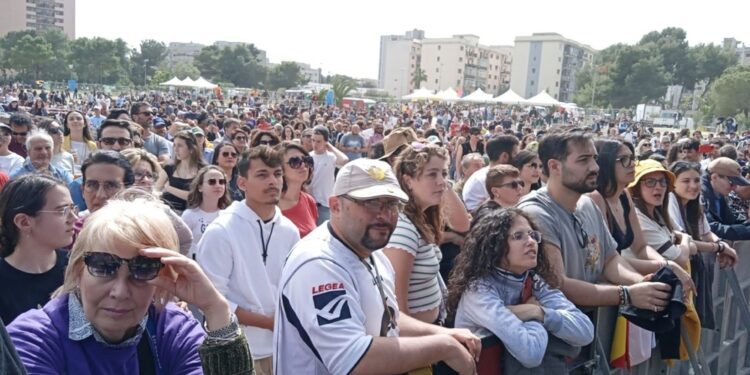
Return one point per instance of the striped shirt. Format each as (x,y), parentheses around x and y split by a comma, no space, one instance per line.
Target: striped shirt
(424,282)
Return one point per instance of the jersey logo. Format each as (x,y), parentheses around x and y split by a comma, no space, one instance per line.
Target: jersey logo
(331,305)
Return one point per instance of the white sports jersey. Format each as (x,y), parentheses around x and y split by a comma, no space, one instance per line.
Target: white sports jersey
(330,306)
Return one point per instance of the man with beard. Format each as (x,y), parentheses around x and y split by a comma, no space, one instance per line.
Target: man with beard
(243,250)
(577,241)
(338,312)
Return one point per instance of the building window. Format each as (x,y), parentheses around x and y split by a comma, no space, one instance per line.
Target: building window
(557,84)
(458,83)
(462,48)
(532,83)
(412,65)
(558,71)
(438,47)
(460,59)
(437,70)
(436,81)
(533,70)
(459,70)
(438,58)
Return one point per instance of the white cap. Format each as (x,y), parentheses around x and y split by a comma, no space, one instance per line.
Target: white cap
(368,179)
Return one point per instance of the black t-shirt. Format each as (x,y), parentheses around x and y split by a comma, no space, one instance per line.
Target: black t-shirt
(21,291)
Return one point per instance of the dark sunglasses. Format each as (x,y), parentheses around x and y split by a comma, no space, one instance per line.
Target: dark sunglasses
(227,154)
(146,113)
(515,184)
(122,141)
(105,265)
(20,134)
(267,143)
(213,181)
(297,161)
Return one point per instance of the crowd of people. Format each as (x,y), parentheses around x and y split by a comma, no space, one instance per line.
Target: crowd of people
(168,232)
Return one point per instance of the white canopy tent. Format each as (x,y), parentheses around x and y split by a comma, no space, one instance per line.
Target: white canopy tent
(420,94)
(477,96)
(543,99)
(448,95)
(510,97)
(188,82)
(202,83)
(172,82)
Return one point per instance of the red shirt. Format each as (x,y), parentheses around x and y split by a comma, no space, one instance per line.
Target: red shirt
(304,215)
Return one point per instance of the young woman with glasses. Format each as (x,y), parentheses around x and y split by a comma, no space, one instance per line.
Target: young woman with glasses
(208,196)
(60,158)
(296,204)
(174,182)
(502,283)
(146,167)
(37,218)
(112,314)
(226,156)
(264,137)
(413,248)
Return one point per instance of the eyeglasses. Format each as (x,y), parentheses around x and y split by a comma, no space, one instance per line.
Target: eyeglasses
(267,142)
(64,211)
(143,175)
(105,265)
(581,236)
(376,206)
(20,134)
(523,236)
(213,181)
(228,154)
(110,187)
(54,131)
(296,162)
(627,161)
(147,114)
(515,184)
(241,139)
(110,141)
(651,182)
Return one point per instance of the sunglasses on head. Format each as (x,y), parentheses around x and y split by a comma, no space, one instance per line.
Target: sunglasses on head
(297,161)
(213,181)
(110,141)
(106,265)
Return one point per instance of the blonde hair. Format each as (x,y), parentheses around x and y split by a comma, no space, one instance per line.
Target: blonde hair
(137,155)
(139,223)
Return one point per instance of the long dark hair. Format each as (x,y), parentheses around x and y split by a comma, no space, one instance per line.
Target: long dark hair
(661,213)
(196,159)
(288,145)
(485,246)
(524,157)
(86,132)
(23,195)
(606,183)
(195,196)
(692,212)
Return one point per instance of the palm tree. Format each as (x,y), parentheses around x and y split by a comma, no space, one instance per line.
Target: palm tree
(419,76)
(341,87)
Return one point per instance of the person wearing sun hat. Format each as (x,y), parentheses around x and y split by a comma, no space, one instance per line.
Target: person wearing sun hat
(395,142)
(721,177)
(338,310)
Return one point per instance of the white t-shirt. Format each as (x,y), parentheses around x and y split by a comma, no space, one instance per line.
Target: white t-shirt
(321,186)
(10,162)
(657,235)
(197,220)
(475,191)
(64,160)
(330,308)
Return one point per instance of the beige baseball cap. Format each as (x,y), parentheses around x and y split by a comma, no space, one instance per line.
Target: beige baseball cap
(368,179)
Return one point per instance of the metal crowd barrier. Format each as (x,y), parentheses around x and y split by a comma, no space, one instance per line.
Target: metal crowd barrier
(725,350)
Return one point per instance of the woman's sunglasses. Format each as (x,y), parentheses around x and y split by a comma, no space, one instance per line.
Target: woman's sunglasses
(228,154)
(213,181)
(297,161)
(267,143)
(106,265)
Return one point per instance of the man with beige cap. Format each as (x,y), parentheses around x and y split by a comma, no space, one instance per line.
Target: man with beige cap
(337,311)
(721,177)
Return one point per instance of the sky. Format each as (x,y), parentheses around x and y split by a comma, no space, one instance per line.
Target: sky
(343,37)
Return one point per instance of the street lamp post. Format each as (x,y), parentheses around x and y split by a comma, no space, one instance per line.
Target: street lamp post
(145,68)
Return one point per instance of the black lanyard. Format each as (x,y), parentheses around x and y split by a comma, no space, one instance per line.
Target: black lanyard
(263,241)
(378,281)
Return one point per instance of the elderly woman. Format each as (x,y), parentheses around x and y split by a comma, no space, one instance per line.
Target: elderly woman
(110,316)
(40,145)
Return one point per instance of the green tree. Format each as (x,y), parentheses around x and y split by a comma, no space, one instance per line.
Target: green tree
(341,87)
(98,60)
(238,65)
(730,94)
(144,62)
(29,55)
(419,76)
(285,75)
(56,68)
(207,62)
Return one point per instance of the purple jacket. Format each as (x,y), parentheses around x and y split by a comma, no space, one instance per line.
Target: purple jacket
(41,338)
